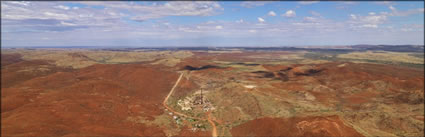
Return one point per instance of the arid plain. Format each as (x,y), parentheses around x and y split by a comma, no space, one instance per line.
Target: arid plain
(212,92)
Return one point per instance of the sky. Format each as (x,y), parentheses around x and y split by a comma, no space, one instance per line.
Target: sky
(210,23)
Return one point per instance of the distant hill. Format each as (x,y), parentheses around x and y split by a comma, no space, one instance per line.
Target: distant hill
(342,48)
(395,48)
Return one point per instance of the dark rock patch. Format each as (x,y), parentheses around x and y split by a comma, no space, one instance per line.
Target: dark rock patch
(188,67)
(265,74)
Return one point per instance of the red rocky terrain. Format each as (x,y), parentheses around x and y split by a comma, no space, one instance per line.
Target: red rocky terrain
(91,101)
(295,126)
(41,99)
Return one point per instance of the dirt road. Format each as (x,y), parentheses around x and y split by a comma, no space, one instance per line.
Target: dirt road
(172,89)
(214,130)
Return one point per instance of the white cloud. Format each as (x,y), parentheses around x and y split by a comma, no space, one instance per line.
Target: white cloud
(349,2)
(314,13)
(353,16)
(261,20)
(310,19)
(372,20)
(210,22)
(173,8)
(109,26)
(112,11)
(180,9)
(307,2)
(392,8)
(251,4)
(385,3)
(62,7)
(22,3)
(272,13)
(187,29)
(345,4)
(68,24)
(289,13)
(252,31)
(56,15)
(413,27)
(369,26)
(395,12)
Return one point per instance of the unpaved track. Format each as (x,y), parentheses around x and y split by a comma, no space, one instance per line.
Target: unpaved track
(214,130)
(172,89)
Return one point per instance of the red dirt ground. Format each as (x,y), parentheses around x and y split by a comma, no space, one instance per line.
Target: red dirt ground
(295,126)
(7,59)
(92,101)
(275,67)
(14,73)
(185,87)
(189,133)
(334,78)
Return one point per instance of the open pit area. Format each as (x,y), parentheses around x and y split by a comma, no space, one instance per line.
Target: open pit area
(226,92)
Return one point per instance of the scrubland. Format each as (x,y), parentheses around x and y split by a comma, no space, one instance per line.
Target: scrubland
(82,92)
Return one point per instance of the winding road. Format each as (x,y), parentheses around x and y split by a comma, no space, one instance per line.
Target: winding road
(214,128)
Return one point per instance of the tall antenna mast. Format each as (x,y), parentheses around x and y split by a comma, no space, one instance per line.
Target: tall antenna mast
(202,98)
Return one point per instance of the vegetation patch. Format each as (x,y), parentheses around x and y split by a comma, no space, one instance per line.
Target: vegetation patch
(383,56)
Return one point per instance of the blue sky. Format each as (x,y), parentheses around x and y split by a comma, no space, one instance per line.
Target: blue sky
(223,23)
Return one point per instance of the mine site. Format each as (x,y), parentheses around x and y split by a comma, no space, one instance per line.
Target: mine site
(212,68)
